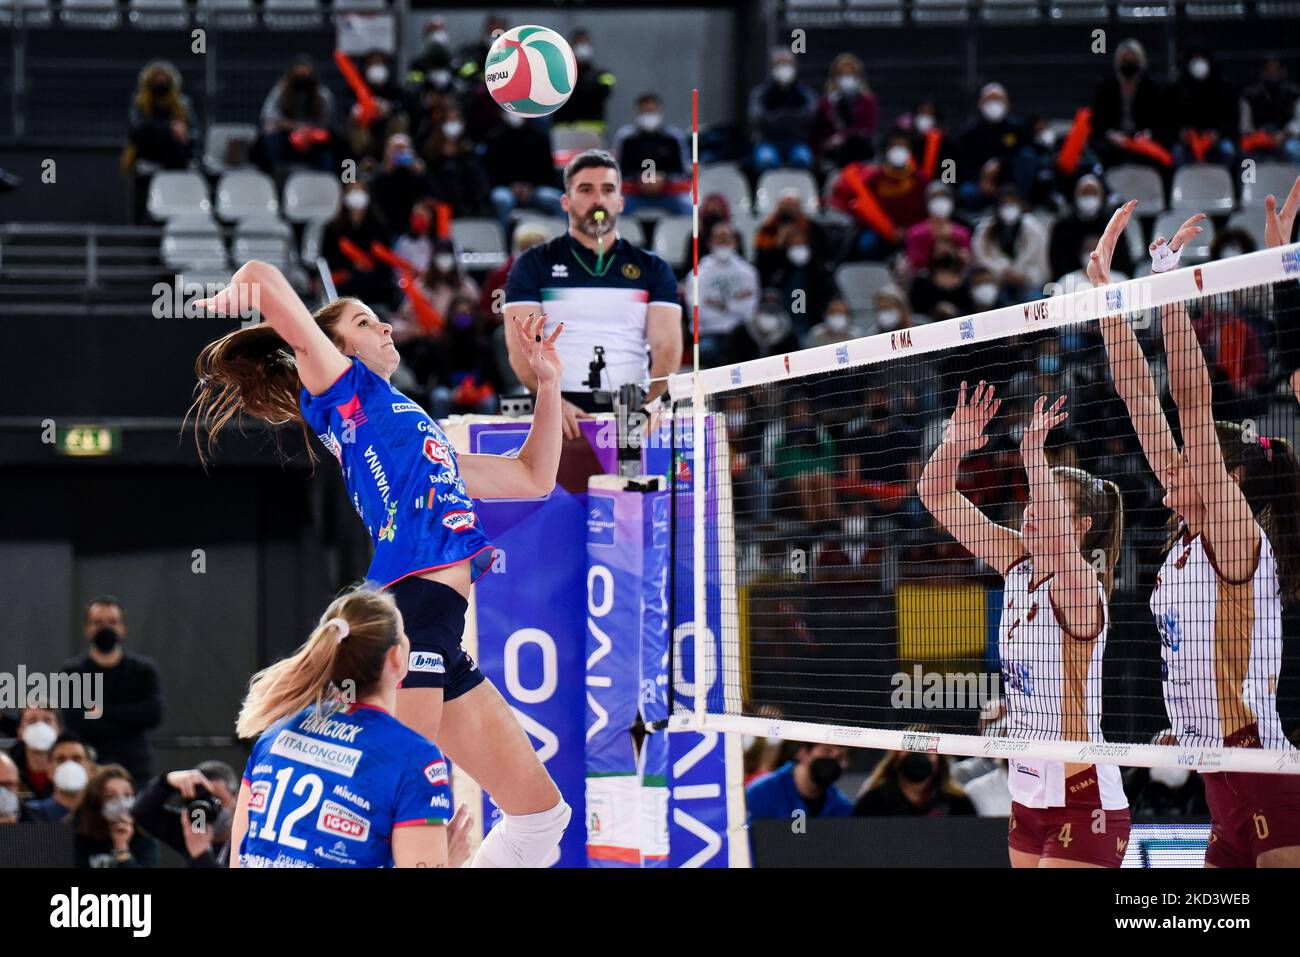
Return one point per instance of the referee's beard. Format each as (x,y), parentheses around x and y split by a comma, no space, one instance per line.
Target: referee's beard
(587,224)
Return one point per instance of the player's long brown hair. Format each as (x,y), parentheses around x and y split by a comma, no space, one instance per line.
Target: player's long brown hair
(325,670)
(252,372)
(1101,501)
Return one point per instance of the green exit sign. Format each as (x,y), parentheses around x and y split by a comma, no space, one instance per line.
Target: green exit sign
(87,440)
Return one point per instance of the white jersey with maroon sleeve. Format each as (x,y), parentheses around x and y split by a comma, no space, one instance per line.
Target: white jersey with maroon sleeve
(1051,681)
(1220,648)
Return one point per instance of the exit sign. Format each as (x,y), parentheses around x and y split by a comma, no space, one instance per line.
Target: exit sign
(88,440)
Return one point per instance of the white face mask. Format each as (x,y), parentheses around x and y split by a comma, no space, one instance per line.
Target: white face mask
(768,324)
(514,119)
(924,122)
(1199,69)
(444,262)
(1088,205)
(896,156)
(837,321)
(71,778)
(649,121)
(39,736)
(1008,213)
(985,294)
(799,255)
(1227,251)
(8,803)
(440,77)
(888,318)
(847,83)
(376,74)
(1172,778)
(582,51)
(356,200)
(452,129)
(118,809)
(440,37)
(724,253)
(1046,138)
(783,73)
(940,207)
(994,110)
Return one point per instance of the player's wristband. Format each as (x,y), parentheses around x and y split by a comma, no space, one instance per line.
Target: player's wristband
(1164,259)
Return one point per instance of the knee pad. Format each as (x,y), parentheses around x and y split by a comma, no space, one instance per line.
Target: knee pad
(525,840)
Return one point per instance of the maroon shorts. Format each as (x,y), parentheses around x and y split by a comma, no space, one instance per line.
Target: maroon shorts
(1089,836)
(1250,814)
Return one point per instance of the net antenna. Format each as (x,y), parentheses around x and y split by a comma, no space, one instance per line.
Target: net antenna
(698,457)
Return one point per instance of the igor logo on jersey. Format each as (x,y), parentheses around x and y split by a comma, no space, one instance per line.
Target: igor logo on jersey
(438,452)
(436,772)
(257,795)
(426,661)
(336,819)
(459,520)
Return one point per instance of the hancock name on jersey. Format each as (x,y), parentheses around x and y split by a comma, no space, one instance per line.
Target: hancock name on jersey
(330,728)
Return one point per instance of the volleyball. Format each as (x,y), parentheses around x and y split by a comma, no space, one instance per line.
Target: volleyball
(530,70)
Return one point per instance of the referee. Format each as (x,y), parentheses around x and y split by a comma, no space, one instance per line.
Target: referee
(619,304)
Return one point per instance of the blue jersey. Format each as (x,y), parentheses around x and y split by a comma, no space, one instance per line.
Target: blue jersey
(328,790)
(401,474)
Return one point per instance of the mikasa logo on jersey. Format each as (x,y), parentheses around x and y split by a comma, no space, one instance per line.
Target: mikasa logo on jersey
(426,661)
(336,819)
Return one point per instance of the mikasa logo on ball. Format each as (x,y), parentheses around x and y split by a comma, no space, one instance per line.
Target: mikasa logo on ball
(426,661)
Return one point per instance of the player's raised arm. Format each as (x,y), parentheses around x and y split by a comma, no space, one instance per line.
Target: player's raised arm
(987,540)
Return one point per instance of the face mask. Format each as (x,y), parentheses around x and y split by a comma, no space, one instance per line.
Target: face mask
(376,74)
(916,768)
(799,255)
(1230,250)
(39,736)
(1008,213)
(847,83)
(649,121)
(940,207)
(825,771)
(71,778)
(582,51)
(724,253)
(8,803)
(118,809)
(1088,206)
(1129,69)
(1049,365)
(994,110)
(1199,69)
(888,318)
(305,82)
(440,78)
(783,74)
(106,639)
(945,263)
(161,87)
(1046,139)
(897,156)
(1172,778)
(514,119)
(768,324)
(985,294)
(444,261)
(439,37)
(420,223)
(462,320)
(403,158)
(837,321)
(356,200)
(452,129)
(924,122)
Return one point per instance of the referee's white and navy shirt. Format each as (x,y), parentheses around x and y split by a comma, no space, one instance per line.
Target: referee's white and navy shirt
(606,309)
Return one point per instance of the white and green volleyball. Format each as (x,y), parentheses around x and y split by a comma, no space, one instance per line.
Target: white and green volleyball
(530,70)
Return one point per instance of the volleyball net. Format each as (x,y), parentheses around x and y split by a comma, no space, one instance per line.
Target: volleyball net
(836,609)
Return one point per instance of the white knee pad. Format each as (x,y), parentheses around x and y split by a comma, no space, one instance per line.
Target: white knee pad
(525,840)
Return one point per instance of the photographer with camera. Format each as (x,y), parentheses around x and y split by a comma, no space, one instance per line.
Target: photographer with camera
(191,812)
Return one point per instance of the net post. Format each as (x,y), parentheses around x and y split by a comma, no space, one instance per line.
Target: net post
(699,452)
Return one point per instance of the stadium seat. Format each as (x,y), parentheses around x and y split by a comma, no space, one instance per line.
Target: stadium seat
(887,13)
(1090,10)
(1214,10)
(311,197)
(671,235)
(1202,187)
(1251,222)
(1275,178)
(291,6)
(222,138)
(1142,183)
(630,228)
(569,139)
(264,237)
(193,241)
(176,192)
(233,5)
(553,226)
(939,11)
(747,227)
(97,14)
(1199,248)
(1009,11)
(859,282)
(359,6)
(35,13)
(776,181)
(244,193)
(158,14)
(480,242)
(727,179)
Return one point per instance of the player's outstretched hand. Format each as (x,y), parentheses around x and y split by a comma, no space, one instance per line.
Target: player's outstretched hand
(971,417)
(1278,226)
(1041,422)
(1099,261)
(538,349)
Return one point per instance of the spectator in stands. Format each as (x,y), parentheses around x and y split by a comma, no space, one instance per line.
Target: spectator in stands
(527,235)
(191,812)
(480,111)
(913,783)
(1077,278)
(469,61)
(931,145)
(890,310)
(391,111)
(400,183)
(803,786)
(877,447)
(1085,219)
(1130,112)
(1035,170)
(781,112)
(1013,245)
(836,326)
(804,463)
(940,290)
(978,199)
(11,811)
(415,244)
(791,254)
(654,161)
(1207,111)
(520,170)
(885,199)
(728,296)
(770,331)
(345,244)
(162,127)
(938,224)
(38,728)
(456,172)
(73,767)
(845,126)
(132,699)
(1270,107)
(467,375)
(431,70)
(714,209)
(441,283)
(297,121)
(994,134)
(585,108)
(106,835)
(1231,242)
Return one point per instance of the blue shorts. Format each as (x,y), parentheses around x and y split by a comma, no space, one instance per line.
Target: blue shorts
(434,617)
